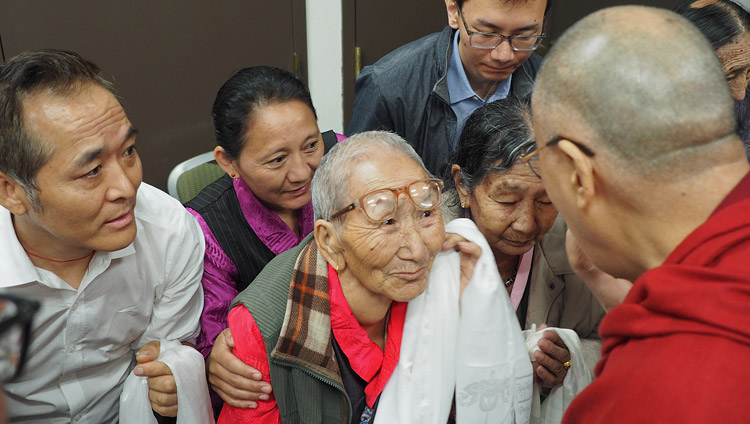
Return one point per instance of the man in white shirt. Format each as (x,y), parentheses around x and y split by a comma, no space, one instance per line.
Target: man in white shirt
(116,264)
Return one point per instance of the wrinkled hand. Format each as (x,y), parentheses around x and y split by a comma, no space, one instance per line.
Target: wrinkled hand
(608,290)
(470,253)
(549,370)
(162,389)
(239,384)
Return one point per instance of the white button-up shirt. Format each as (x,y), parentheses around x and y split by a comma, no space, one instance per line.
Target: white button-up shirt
(83,342)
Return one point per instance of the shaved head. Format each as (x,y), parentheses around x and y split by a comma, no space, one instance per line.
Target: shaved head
(643,83)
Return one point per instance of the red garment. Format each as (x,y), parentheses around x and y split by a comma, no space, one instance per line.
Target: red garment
(677,349)
(365,357)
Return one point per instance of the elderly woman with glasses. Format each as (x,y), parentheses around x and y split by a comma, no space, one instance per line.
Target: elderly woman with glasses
(497,187)
(324,322)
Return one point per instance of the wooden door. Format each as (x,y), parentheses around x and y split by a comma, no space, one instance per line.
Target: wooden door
(563,15)
(377,27)
(167,58)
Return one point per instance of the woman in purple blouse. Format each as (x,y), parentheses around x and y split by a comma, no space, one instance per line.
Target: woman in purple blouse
(269,144)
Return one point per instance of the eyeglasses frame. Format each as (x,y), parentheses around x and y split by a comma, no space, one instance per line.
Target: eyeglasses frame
(396,192)
(502,37)
(526,157)
(24,315)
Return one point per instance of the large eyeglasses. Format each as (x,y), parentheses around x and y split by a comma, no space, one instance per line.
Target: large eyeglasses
(380,205)
(489,40)
(15,325)
(533,151)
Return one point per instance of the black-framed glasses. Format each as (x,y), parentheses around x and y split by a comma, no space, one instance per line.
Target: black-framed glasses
(380,205)
(489,40)
(15,326)
(529,154)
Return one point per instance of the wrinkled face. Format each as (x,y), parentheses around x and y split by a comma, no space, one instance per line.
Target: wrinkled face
(497,17)
(392,258)
(87,189)
(735,59)
(283,147)
(512,210)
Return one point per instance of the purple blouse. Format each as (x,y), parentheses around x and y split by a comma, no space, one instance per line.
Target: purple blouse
(220,274)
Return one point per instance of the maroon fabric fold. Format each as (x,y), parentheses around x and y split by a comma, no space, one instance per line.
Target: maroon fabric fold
(678,348)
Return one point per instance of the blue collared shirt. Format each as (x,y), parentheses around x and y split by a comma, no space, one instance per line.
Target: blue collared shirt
(464,100)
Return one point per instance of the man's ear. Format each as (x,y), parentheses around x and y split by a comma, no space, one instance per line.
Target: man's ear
(224,161)
(329,244)
(13,196)
(463,194)
(581,174)
(450,6)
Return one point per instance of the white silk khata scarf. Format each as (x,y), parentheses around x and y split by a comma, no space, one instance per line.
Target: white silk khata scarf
(475,349)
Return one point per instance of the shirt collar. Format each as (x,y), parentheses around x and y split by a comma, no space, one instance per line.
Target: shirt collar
(738,194)
(22,270)
(267,225)
(365,357)
(19,269)
(458,83)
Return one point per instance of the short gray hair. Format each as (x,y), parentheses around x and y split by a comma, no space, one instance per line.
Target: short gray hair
(645,82)
(330,185)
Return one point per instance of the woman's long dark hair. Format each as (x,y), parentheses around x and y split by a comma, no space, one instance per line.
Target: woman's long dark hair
(247,91)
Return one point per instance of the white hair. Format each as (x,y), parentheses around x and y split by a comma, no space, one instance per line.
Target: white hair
(330,185)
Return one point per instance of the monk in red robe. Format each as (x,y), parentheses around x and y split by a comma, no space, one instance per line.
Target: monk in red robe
(638,151)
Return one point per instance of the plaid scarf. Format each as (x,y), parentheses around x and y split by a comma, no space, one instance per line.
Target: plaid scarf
(305,336)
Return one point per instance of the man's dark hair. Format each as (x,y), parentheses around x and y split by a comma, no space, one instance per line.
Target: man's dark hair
(52,71)
(546,8)
(493,139)
(720,22)
(247,91)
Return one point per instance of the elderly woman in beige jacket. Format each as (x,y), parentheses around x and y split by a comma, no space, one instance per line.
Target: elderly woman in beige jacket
(503,194)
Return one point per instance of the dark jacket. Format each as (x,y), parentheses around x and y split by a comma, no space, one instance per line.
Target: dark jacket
(406,92)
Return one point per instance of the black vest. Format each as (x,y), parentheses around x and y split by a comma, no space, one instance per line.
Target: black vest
(220,208)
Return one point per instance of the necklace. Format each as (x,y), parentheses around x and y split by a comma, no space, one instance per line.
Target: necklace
(510,280)
(60,262)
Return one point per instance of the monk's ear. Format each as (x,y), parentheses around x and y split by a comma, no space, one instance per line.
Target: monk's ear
(450,6)
(227,164)
(13,196)
(580,178)
(329,244)
(463,193)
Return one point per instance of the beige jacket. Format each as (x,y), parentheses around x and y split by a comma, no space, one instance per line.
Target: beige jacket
(559,298)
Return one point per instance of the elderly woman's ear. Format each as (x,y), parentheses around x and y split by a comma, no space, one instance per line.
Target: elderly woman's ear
(463,194)
(329,244)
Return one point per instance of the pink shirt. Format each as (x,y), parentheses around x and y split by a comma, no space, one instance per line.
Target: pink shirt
(220,274)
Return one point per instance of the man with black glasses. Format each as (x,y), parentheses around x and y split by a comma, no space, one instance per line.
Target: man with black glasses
(425,90)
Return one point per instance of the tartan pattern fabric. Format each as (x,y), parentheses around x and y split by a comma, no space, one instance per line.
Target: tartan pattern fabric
(366,415)
(305,336)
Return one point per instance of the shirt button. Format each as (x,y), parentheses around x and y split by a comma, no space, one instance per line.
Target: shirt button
(77,418)
(72,349)
(74,307)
